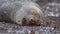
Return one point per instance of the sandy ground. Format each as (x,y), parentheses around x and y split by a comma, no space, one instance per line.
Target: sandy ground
(8,28)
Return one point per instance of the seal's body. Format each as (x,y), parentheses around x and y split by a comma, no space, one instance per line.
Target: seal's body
(23,12)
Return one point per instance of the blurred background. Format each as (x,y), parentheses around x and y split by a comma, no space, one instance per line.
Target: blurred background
(50,7)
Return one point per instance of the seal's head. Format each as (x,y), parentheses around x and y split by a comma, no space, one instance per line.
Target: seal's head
(29,14)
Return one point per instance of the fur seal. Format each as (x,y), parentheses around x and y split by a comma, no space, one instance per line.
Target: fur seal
(22,12)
